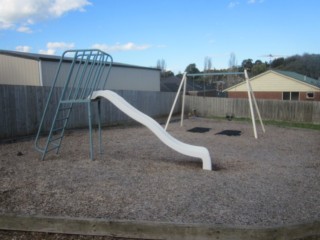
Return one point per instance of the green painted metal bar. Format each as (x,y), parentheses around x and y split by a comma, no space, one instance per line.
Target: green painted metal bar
(86,88)
(90,130)
(82,72)
(99,126)
(77,79)
(37,147)
(83,76)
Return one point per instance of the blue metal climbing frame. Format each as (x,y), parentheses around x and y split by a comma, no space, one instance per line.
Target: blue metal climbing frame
(80,73)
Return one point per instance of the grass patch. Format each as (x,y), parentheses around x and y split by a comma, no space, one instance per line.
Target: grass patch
(276,123)
(293,124)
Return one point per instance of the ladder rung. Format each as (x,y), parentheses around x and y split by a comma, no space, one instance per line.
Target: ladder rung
(64,108)
(55,144)
(62,119)
(55,139)
(57,129)
(53,148)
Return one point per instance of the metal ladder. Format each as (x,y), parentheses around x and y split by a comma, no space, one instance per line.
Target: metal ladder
(80,72)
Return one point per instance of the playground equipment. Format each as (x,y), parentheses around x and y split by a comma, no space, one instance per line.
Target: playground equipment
(163,135)
(84,73)
(251,98)
(80,72)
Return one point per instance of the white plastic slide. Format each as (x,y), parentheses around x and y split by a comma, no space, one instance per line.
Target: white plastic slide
(166,138)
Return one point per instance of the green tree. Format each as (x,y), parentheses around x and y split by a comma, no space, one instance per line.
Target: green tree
(161,64)
(307,64)
(233,62)
(192,68)
(207,64)
(247,64)
(258,68)
(257,62)
(277,62)
(179,75)
(167,74)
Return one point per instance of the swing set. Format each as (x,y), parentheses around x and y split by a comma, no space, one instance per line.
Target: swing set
(251,98)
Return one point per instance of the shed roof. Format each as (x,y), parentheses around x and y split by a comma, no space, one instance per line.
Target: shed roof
(55,58)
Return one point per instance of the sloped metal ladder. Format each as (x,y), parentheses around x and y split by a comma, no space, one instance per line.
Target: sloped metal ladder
(80,72)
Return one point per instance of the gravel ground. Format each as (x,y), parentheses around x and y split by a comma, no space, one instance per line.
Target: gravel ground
(269,181)
(17,235)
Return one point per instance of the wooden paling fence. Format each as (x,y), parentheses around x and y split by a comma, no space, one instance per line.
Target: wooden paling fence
(295,111)
(22,108)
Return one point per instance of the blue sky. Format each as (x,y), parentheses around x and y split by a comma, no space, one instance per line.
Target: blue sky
(141,32)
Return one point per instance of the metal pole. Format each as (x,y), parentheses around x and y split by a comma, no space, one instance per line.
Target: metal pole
(175,100)
(257,109)
(99,125)
(250,104)
(183,100)
(90,130)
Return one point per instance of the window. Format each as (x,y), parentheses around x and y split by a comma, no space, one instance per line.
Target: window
(286,96)
(290,96)
(310,95)
(295,96)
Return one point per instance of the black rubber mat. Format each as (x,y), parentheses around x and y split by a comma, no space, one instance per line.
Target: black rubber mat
(229,133)
(199,130)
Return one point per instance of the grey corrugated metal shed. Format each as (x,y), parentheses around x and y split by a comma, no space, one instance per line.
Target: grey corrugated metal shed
(55,58)
(20,68)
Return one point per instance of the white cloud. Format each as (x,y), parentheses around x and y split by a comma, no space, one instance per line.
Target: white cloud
(161,46)
(233,4)
(23,48)
(60,45)
(254,1)
(48,51)
(18,15)
(61,6)
(53,47)
(121,47)
(24,29)
(5,25)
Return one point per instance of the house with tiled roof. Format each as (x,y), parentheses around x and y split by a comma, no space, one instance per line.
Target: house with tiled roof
(279,85)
